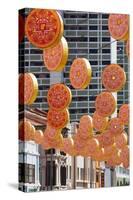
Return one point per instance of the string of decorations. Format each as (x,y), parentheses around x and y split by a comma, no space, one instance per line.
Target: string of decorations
(44,29)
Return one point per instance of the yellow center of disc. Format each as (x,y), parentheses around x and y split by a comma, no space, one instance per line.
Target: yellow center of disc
(118,21)
(113,77)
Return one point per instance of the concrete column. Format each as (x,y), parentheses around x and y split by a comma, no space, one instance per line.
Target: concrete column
(112,173)
(85,172)
(73,172)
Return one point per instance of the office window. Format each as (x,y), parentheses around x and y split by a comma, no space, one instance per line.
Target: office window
(26,173)
(50,173)
(97,177)
(77,173)
(81,173)
(63,175)
(70,175)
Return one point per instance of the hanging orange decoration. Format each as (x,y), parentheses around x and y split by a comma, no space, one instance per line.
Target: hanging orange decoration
(32,134)
(80,144)
(24,127)
(58,119)
(105,139)
(115,126)
(105,104)
(52,133)
(57,143)
(114,159)
(118,25)
(44,28)
(124,156)
(121,140)
(113,77)
(92,146)
(85,127)
(26,130)
(109,150)
(99,155)
(45,143)
(80,73)
(124,114)
(55,58)
(59,96)
(68,145)
(38,136)
(99,123)
(28,88)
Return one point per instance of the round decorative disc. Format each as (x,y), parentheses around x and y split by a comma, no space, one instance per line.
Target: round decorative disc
(92,146)
(99,155)
(38,136)
(105,139)
(44,28)
(109,150)
(99,123)
(85,127)
(26,130)
(114,159)
(124,114)
(124,155)
(58,119)
(113,78)
(68,145)
(80,144)
(80,73)
(52,133)
(118,25)
(59,96)
(121,140)
(115,126)
(28,88)
(105,104)
(55,57)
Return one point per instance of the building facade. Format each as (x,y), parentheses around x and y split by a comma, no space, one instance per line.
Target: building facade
(87,36)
